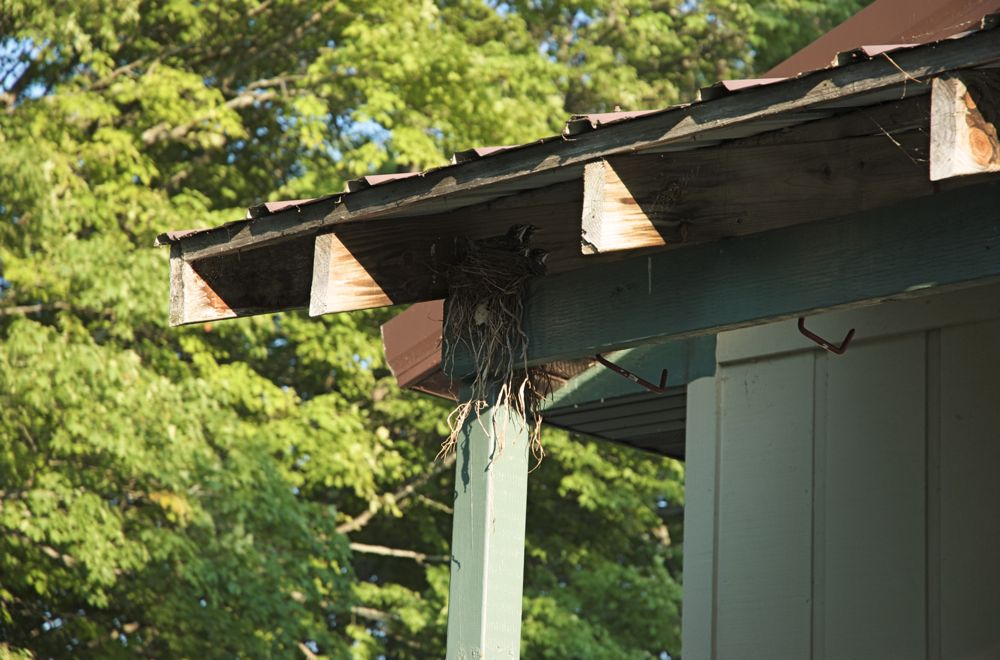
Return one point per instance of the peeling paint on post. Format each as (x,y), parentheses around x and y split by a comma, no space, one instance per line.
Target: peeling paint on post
(487,543)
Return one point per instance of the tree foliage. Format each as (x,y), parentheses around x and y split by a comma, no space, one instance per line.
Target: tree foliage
(232,489)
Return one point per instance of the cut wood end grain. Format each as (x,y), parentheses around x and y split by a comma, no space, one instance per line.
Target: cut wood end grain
(965,109)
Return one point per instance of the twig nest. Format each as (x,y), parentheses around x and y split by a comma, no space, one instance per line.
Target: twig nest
(484,315)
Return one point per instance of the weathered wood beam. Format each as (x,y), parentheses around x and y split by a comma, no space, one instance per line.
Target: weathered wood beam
(965,113)
(657,200)
(402,260)
(273,278)
(920,247)
(699,121)
(365,265)
(487,543)
(859,160)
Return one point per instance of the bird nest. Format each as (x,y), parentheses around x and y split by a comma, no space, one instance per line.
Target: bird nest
(487,285)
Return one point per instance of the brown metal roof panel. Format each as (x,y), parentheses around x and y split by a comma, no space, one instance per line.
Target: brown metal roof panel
(376,179)
(413,342)
(724,87)
(582,123)
(867,52)
(887,22)
(478,152)
(269,208)
(168,237)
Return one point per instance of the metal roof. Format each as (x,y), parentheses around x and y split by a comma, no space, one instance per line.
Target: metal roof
(441,189)
(899,22)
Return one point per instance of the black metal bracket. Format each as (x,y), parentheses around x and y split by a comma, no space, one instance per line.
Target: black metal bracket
(625,373)
(823,343)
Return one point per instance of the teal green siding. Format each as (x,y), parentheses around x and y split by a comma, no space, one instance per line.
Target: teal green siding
(846,507)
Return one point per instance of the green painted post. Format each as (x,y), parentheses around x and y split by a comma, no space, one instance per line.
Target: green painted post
(487,542)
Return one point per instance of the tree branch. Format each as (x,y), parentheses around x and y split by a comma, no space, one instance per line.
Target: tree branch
(406,491)
(434,504)
(296,36)
(67,560)
(419,557)
(163,131)
(371,613)
(32,309)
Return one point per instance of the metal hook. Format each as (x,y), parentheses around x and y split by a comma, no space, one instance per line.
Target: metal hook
(658,389)
(833,348)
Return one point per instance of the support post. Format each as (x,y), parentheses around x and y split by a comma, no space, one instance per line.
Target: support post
(487,543)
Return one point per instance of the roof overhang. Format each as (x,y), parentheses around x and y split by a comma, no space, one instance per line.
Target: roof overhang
(898,22)
(880,128)
(384,243)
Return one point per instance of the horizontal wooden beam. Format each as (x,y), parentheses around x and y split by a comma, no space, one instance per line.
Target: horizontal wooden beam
(402,260)
(709,120)
(655,200)
(965,116)
(270,279)
(924,246)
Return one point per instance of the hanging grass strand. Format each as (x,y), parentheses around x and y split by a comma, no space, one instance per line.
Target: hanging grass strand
(484,318)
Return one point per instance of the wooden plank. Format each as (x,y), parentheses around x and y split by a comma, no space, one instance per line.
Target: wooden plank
(696,121)
(403,260)
(764,542)
(895,116)
(487,556)
(642,201)
(964,117)
(820,417)
(269,279)
(874,505)
(969,498)
(913,249)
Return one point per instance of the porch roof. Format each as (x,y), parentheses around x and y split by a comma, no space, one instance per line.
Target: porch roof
(384,239)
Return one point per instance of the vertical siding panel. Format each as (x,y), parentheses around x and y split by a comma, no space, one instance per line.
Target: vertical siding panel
(875,502)
(699,519)
(818,600)
(970,492)
(765,506)
(868,483)
(933,428)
